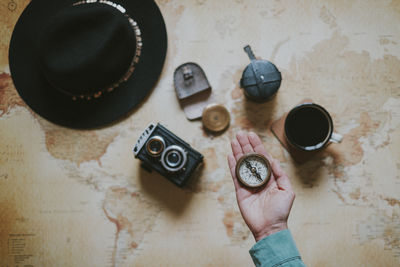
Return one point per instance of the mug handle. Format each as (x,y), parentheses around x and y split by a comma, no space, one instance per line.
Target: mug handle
(336,138)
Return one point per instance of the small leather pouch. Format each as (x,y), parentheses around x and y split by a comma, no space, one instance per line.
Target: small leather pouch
(192,89)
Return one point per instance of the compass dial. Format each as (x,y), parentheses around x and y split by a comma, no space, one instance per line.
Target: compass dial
(253,170)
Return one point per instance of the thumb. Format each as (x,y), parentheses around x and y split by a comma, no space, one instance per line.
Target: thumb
(232,168)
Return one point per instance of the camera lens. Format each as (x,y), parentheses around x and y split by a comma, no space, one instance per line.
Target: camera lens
(155,146)
(173,158)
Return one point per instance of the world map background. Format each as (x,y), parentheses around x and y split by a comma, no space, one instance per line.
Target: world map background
(79,198)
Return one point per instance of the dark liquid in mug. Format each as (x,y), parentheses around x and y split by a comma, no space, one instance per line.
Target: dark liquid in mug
(308,126)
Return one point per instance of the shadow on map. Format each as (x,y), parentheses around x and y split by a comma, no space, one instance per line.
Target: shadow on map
(311,172)
(170,196)
(260,114)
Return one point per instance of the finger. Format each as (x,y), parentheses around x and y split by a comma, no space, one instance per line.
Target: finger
(277,169)
(282,180)
(236,149)
(232,168)
(258,146)
(232,165)
(244,142)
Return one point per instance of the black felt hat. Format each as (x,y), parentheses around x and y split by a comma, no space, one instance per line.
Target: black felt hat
(84,64)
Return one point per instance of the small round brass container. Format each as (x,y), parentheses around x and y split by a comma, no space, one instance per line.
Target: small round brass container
(215,118)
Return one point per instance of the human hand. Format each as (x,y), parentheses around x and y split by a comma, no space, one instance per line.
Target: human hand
(265,210)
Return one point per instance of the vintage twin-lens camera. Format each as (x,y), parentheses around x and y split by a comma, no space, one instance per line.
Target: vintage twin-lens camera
(161,150)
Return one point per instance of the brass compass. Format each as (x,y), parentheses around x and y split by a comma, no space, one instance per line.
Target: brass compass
(253,170)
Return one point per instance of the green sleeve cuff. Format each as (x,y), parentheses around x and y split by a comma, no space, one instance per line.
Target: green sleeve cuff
(276,250)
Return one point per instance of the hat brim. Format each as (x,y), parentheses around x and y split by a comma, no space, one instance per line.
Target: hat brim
(59,108)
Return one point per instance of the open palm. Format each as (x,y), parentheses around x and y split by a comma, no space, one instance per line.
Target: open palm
(265,210)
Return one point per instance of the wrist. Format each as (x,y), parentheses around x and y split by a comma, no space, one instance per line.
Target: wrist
(270,230)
